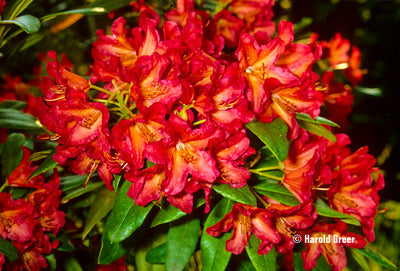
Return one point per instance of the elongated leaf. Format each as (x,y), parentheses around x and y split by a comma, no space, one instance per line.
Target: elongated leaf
(74,181)
(264,262)
(181,244)
(318,119)
(15,119)
(110,5)
(277,192)
(125,217)
(71,194)
(377,92)
(325,210)
(18,6)
(317,129)
(28,23)
(157,254)
(101,206)
(377,257)
(8,250)
(242,195)
(214,255)
(72,264)
(17,105)
(168,214)
(12,153)
(273,135)
(84,11)
(46,165)
(360,259)
(297,262)
(110,251)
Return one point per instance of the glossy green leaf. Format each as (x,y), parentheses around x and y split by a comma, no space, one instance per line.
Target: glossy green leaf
(17,105)
(377,257)
(110,251)
(325,210)
(83,11)
(125,217)
(273,135)
(8,250)
(46,165)
(242,195)
(71,194)
(214,255)
(304,22)
(182,240)
(101,206)
(28,23)
(157,254)
(116,181)
(276,191)
(264,262)
(110,5)
(317,129)
(317,120)
(15,119)
(12,153)
(168,214)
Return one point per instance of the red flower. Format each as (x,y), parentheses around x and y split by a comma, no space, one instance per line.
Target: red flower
(299,167)
(16,218)
(333,251)
(245,220)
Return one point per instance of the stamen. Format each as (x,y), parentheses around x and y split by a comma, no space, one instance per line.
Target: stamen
(92,170)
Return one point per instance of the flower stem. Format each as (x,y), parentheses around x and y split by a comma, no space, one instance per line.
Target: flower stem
(4,186)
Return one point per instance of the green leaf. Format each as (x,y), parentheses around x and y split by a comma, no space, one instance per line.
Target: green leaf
(377,257)
(304,22)
(84,11)
(72,264)
(168,214)
(28,23)
(101,206)
(12,153)
(264,262)
(181,243)
(71,194)
(317,129)
(360,259)
(242,195)
(246,265)
(317,120)
(276,191)
(65,243)
(125,217)
(8,249)
(298,262)
(110,251)
(12,11)
(68,183)
(157,254)
(325,210)
(116,181)
(273,135)
(15,119)
(110,5)
(46,165)
(214,255)
(377,92)
(17,105)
